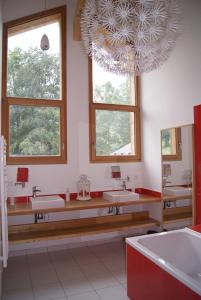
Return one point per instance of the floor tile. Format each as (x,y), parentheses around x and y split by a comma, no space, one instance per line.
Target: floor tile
(106,255)
(38,259)
(23,294)
(114,264)
(65,262)
(80,251)
(64,273)
(60,255)
(120,276)
(15,271)
(116,292)
(49,291)
(86,260)
(84,256)
(20,260)
(43,275)
(21,281)
(74,286)
(93,268)
(85,296)
(99,281)
(85,273)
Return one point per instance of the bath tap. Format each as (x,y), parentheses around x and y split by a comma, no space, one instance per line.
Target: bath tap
(124,185)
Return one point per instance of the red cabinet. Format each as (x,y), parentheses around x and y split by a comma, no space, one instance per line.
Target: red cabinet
(147,281)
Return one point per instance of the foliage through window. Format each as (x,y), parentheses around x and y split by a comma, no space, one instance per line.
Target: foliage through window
(171,144)
(114,116)
(34,89)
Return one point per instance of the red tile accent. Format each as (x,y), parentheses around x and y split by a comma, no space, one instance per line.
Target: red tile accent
(148,192)
(19,199)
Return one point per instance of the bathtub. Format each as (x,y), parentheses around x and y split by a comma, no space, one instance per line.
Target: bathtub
(175,260)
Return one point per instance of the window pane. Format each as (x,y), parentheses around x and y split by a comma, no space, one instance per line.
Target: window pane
(169,142)
(111,88)
(34,131)
(114,133)
(32,72)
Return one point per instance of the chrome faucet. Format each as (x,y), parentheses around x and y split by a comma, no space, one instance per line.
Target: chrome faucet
(34,191)
(165,181)
(124,185)
(124,182)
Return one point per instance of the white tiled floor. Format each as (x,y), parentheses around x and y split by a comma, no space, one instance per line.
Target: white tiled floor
(86,273)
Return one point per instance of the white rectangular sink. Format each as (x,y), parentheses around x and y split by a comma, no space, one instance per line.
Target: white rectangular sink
(177,191)
(54,201)
(118,196)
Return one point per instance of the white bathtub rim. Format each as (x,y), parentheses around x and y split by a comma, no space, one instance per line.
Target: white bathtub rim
(175,272)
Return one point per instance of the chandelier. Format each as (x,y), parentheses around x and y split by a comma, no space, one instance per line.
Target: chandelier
(130,36)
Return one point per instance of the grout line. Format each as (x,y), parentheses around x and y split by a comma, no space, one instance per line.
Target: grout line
(29,271)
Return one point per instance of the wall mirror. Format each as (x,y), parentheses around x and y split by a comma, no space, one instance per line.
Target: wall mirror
(177,170)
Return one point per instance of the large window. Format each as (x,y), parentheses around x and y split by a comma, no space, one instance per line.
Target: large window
(114,116)
(34,89)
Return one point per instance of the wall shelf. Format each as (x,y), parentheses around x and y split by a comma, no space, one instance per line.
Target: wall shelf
(177,214)
(79,227)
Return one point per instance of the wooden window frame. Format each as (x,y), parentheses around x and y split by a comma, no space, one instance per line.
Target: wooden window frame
(178,155)
(60,104)
(135,109)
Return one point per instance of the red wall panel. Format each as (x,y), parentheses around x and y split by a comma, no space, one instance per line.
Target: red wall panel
(197,140)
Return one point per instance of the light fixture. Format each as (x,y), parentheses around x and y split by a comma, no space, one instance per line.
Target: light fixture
(44,43)
(130,36)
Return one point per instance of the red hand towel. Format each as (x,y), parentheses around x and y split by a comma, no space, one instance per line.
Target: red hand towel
(22,174)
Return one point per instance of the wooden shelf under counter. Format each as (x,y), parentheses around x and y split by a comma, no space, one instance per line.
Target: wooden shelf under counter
(172,215)
(79,227)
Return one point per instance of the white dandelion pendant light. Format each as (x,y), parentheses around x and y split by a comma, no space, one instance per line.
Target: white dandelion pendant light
(44,43)
(130,36)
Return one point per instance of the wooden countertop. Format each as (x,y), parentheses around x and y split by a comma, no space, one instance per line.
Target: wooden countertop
(173,198)
(26,209)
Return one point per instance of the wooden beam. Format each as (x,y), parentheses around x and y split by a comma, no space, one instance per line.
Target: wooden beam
(76,28)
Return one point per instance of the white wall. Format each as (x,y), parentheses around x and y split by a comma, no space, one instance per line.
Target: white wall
(56,178)
(169,93)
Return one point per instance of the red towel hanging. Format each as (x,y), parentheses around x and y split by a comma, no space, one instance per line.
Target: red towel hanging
(22,174)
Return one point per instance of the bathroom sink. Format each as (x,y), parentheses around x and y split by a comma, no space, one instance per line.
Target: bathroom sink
(118,196)
(177,191)
(54,201)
